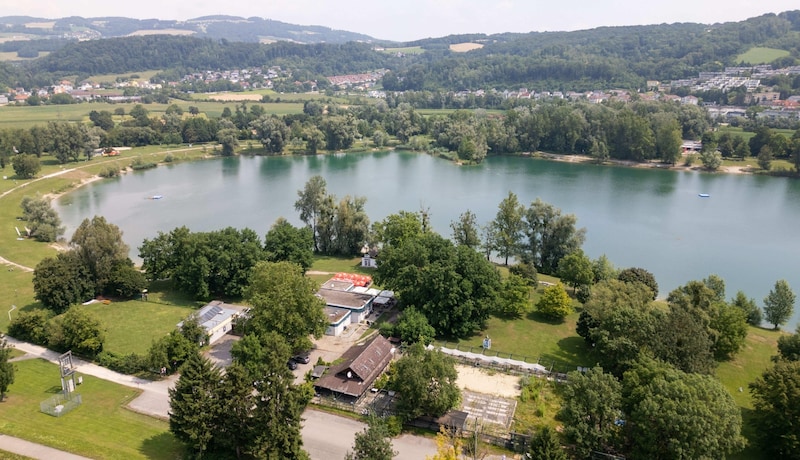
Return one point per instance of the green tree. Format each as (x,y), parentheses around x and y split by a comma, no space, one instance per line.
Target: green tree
(233,427)
(777,415)
(26,165)
(554,303)
(603,269)
(43,221)
(788,346)
(575,269)
(283,300)
(194,406)
(667,137)
(79,331)
(453,286)
(310,203)
(285,242)
(711,160)
(373,443)
(545,445)
(515,300)
(396,229)
(350,225)
(413,327)
(466,231)
(508,226)
(672,414)
(125,281)
(731,325)
(99,245)
(102,119)
(636,274)
(749,307)
(765,158)
(779,304)
(61,281)
(229,140)
(426,383)
(549,236)
(6,368)
(273,133)
(592,407)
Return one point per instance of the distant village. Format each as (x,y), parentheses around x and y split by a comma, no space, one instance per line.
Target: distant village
(259,78)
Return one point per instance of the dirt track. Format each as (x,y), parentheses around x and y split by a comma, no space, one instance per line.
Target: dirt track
(480,381)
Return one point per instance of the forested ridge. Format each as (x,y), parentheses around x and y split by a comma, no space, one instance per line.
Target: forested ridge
(600,58)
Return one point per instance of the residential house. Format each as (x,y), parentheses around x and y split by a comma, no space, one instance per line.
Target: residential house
(217,319)
(357,370)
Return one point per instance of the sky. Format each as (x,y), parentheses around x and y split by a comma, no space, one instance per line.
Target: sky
(406,20)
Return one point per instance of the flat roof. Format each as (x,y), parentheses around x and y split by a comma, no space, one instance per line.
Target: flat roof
(336,298)
(336,315)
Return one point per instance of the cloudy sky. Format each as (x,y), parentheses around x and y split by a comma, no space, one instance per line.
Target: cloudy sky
(405,20)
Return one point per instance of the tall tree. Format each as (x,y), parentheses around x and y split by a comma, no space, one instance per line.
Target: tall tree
(43,221)
(515,300)
(285,242)
(373,443)
(749,307)
(284,301)
(310,203)
(545,445)
(591,411)
(61,281)
(426,382)
(194,406)
(672,414)
(453,286)
(575,269)
(77,330)
(98,243)
(549,236)
(779,303)
(636,274)
(508,226)
(6,368)
(466,231)
(777,415)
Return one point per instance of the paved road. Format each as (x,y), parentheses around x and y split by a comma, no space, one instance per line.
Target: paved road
(29,449)
(327,436)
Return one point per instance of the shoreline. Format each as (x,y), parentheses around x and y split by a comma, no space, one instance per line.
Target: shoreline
(567,158)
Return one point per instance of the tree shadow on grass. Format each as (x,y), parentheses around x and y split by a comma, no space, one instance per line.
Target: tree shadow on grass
(540,318)
(571,353)
(163,445)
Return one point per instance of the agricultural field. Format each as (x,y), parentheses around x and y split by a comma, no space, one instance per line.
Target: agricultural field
(759,55)
(464,47)
(12,116)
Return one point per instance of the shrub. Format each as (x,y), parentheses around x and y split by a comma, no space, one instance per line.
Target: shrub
(139,164)
(127,364)
(169,158)
(30,326)
(109,171)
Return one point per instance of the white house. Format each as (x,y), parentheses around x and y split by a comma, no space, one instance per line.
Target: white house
(217,319)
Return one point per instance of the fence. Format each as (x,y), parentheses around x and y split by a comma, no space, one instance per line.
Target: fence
(59,405)
(507,362)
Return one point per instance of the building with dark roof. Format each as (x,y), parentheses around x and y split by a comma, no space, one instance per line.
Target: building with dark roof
(217,319)
(360,366)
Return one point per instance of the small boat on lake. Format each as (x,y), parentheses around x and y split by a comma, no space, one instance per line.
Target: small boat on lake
(703,195)
(156,197)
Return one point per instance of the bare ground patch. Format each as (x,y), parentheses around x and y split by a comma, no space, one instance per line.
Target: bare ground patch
(464,47)
(477,380)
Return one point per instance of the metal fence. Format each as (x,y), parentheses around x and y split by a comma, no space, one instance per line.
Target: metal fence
(59,405)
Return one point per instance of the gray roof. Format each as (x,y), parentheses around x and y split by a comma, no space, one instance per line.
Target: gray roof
(360,366)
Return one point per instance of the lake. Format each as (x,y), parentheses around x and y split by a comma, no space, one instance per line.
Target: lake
(745,231)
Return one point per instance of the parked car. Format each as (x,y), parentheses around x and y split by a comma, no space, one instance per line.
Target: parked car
(292,364)
(303,358)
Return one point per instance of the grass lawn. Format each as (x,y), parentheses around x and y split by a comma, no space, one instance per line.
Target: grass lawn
(760,55)
(131,326)
(9,456)
(331,264)
(100,428)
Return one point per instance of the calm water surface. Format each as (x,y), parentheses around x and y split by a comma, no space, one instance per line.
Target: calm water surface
(745,232)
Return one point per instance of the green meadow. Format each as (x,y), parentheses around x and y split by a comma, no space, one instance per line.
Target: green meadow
(101,427)
(760,55)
